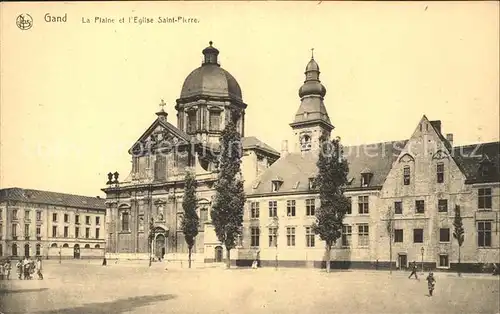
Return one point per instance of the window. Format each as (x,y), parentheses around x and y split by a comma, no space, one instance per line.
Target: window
(484,198)
(14,214)
(398,208)
(214,121)
(38,247)
(484,233)
(443,260)
(26,230)
(27,214)
(14,231)
(275,186)
(444,235)
(38,232)
(363,205)
(290,208)
(66,218)
(77,232)
(1,232)
(1,215)
(310,237)
(406,175)
(273,209)
(77,219)
(363,235)
(305,143)
(442,206)
(87,233)
(349,207)
(273,237)
(54,231)
(398,235)
(191,121)
(254,210)
(418,235)
(346,235)
(419,206)
(87,220)
(312,186)
(98,221)
(54,217)
(38,216)
(65,232)
(254,236)
(125,218)
(97,233)
(290,236)
(14,249)
(440,172)
(365,179)
(310,207)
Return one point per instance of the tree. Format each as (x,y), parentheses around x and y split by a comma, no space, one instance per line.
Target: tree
(458,232)
(330,181)
(227,210)
(390,230)
(190,220)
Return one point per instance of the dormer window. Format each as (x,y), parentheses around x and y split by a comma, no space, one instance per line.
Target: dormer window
(276,185)
(484,168)
(366,176)
(312,184)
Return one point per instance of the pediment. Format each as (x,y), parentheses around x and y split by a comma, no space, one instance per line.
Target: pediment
(406,158)
(440,155)
(159,136)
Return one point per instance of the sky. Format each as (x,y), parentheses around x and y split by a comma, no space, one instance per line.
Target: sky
(74,97)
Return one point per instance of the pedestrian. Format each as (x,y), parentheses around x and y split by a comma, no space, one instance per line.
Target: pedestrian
(413,270)
(7,269)
(2,267)
(431,282)
(19,267)
(38,267)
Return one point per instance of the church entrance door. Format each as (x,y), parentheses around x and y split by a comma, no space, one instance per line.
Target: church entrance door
(76,251)
(160,246)
(218,254)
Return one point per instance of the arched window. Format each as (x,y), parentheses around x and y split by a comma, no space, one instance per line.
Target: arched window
(54,245)
(97,246)
(305,143)
(87,246)
(65,245)
(406,175)
(125,221)
(14,249)
(38,249)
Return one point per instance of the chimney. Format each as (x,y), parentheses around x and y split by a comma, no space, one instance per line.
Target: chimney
(449,138)
(437,125)
(284,148)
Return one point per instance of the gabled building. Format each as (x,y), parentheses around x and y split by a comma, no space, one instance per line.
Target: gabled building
(149,199)
(419,180)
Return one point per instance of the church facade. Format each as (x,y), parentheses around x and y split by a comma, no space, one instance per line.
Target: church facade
(149,199)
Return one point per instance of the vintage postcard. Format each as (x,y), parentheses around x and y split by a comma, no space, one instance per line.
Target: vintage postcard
(249,157)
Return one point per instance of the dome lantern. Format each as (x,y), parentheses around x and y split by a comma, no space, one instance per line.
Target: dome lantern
(211,53)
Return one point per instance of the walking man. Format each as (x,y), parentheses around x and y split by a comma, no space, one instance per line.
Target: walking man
(431,281)
(38,267)
(413,270)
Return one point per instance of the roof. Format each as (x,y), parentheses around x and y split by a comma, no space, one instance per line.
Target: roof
(295,169)
(251,142)
(51,198)
(471,158)
(211,80)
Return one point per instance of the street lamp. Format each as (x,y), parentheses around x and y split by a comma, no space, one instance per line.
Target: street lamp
(422,251)
(151,239)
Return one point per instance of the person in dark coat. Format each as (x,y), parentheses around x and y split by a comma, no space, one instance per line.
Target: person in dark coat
(431,281)
(413,270)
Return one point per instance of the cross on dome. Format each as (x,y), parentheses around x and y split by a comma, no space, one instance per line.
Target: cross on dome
(162,104)
(312,53)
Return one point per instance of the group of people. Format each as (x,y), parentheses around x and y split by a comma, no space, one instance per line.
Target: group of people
(431,281)
(27,268)
(5,268)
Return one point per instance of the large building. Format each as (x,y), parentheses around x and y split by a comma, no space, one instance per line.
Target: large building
(417,181)
(149,199)
(51,225)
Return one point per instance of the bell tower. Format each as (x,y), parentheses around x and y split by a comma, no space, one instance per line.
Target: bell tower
(311,119)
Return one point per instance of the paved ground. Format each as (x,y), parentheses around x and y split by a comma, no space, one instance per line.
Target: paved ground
(87,287)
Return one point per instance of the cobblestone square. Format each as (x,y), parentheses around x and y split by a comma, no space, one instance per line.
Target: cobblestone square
(133,287)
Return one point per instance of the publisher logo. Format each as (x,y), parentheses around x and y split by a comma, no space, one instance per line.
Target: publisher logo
(24,21)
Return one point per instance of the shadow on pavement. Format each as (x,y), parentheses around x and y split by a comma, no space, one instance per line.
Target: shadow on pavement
(5,291)
(113,307)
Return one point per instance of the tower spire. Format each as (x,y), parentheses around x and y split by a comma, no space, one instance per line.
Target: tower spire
(312,53)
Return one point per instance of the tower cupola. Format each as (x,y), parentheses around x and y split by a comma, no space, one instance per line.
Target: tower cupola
(211,53)
(312,85)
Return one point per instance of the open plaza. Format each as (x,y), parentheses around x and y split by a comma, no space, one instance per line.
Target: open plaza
(86,286)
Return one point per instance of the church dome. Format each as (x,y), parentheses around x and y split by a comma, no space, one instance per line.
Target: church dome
(312,85)
(210,79)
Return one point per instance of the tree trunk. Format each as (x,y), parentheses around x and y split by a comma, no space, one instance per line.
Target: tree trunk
(390,255)
(189,256)
(459,274)
(228,259)
(328,258)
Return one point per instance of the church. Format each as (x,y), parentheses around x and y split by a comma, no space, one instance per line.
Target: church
(150,198)
(413,185)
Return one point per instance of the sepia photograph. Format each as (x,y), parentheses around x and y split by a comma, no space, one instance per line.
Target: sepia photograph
(249,157)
